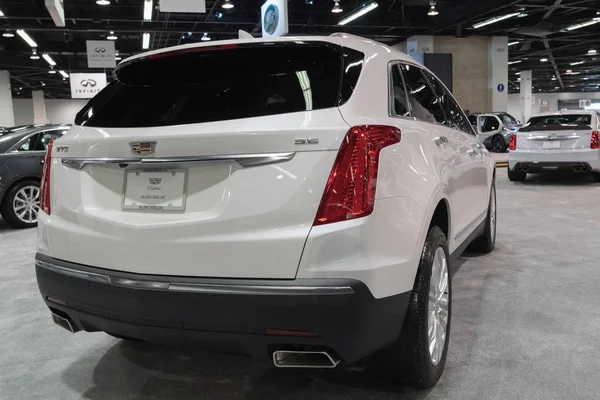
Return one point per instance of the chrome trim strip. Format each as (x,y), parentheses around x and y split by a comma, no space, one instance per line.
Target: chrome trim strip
(546,138)
(244,160)
(198,287)
(90,276)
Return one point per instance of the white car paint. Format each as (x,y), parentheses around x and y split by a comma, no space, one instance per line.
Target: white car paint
(258,222)
(575,144)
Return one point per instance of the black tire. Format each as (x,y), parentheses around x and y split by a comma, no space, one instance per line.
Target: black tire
(487,241)
(596,176)
(408,360)
(516,176)
(8,213)
(499,144)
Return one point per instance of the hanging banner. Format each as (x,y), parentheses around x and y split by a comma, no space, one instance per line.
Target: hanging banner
(183,6)
(274,18)
(87,85)
(101,54)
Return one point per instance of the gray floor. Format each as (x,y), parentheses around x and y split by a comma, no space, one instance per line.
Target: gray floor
(526,325)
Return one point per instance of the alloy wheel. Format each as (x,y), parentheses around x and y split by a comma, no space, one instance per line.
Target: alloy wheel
(26,204)
(437,321)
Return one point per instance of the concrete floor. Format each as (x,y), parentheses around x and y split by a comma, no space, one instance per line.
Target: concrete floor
(526,325)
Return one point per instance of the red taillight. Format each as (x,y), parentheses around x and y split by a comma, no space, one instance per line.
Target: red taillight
(513,142)
(595,142)
(350,189)
(45,186)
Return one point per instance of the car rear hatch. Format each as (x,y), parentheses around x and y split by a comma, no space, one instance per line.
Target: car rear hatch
(207,161)
(557,132)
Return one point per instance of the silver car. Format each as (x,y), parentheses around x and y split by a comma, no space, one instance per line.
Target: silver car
(495,129)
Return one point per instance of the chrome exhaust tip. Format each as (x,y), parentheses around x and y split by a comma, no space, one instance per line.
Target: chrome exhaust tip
(304,359)
(65,323)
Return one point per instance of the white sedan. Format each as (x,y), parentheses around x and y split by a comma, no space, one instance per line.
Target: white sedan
(556,141)
(297,198)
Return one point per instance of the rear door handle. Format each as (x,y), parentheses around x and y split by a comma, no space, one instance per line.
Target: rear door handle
(440,140)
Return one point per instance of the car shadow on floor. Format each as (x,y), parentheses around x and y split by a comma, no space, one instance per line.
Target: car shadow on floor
(137,370)
(558,179)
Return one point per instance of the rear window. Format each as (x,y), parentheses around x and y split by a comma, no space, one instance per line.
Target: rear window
(224,83)
(558,122)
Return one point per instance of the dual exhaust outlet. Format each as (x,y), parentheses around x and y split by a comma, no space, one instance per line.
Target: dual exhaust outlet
(281,358)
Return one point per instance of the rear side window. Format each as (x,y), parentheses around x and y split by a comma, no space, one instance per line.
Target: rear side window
(455,117)
(425,103)
(223,83)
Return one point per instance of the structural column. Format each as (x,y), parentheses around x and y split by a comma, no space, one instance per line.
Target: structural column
(498,73)
(526,96)
(7,116)
(39,107)
(417,46)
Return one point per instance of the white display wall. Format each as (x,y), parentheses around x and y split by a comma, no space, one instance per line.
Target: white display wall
(57,111)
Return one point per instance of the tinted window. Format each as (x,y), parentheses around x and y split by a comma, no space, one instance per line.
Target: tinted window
(399,99)
(571,119)
(425,104)
(472,119)
(508,119)
(47,137)
(30,143)
(455,117)
(489,124)
(220,83)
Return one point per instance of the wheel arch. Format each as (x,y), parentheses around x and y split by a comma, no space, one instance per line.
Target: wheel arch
(16,182)
(441,217)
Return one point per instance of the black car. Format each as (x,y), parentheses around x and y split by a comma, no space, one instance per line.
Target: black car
(22,151)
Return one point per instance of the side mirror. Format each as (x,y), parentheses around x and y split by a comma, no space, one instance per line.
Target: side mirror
(488,124)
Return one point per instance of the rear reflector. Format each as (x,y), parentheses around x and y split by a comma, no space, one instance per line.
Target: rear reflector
(290,332)
(45,185)
(595,141)
(350,189)
(513,142)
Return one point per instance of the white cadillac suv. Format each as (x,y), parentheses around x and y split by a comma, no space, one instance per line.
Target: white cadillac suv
(556,141)
(293,198)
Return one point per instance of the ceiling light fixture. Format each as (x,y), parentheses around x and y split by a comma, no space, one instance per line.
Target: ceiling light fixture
(432,11)
(359,13)
(578,63)
(146,41)
(513,43)
(543,59)
(517,73)
(553,79)
(494,20)
(514,62)
(592,51)
(118,58)
(336,7)
(26,38)
(103,2)
(49,59)
(8,33)
(205,37)
(569,71)
(63,73)
(148,6)
(1,13)
(518,79)
(112,36)
(585,79)
(227,4)
(34,55)
(583,24)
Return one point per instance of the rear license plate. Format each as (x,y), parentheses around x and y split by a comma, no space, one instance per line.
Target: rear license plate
(155,190)
(551,144)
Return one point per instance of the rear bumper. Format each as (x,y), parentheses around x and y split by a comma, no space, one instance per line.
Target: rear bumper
(542,167)
(564,159)
(235,315)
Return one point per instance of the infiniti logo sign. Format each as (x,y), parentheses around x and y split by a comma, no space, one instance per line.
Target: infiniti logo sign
(88,83)
(100,50)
